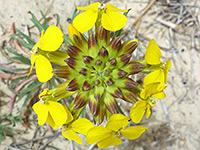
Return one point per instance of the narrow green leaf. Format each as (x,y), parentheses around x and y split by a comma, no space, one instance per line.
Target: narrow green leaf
(58,19)
(13,82)
(11,69)
(67,40)
(26,101)
(36,22)
(31,87)
(20,57)
(22,42)
(26,37)
(74,14)
(45,20)
(83,114)
(120,110)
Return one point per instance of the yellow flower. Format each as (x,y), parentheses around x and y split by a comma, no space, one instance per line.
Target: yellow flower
(111,134)
(53,112)
(81,125)
(138,110)
(152,57)
(150,93)
(110,18)
(51,40)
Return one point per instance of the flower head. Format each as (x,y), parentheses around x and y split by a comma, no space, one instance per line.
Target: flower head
(105,14)
(51,40)
(114,130)
(99,71)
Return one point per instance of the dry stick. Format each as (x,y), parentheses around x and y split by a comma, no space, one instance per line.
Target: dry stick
(48,142)
(36,139)
(144,12)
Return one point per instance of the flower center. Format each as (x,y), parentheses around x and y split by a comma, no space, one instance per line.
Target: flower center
(117,134)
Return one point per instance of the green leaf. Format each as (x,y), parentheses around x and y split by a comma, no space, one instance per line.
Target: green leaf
(45,20)
(26,37)
(58,19)
(19,56)
(21,41)
(67,40)
(30,88)
(11,69)
(26,101)
(36,22)
(117,33)
(83,114)
(120,110)
(15,81)
(74,14)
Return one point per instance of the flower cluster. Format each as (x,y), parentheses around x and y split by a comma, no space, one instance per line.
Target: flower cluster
(98,70)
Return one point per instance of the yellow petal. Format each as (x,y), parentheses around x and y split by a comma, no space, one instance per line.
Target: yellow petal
(117,121)
(110,7)
(50,121)
(71,135)
(149,90)
(69,115)
(43,68)
(153,53)
(113,21)
(52,39)
(111,140)
(167,67)
(133,132)
(42,111)
(82,125)
(97,134)
(159,95)
(155,76)
(93,6)
(85,21)
(137,111)
(33,59)
(58,113)
(148,112)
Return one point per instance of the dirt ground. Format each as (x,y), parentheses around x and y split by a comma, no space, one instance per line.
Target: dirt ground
(174,123)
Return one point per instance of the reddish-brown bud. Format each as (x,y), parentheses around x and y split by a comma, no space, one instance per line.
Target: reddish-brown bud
(73,85)
(136,67)
(71,62)
(83,71)
(130,84)
(80,100)
(87,59)
(113,61)
(103,52)
(92,41)
(125,58)
(121,73)
(110,82)
(86,86)
(103,35)
(62,72)
(73,51)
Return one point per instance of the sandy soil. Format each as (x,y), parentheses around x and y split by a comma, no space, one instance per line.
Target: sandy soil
(174,123)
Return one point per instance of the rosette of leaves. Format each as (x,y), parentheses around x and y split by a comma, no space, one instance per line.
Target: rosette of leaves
(99,71)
